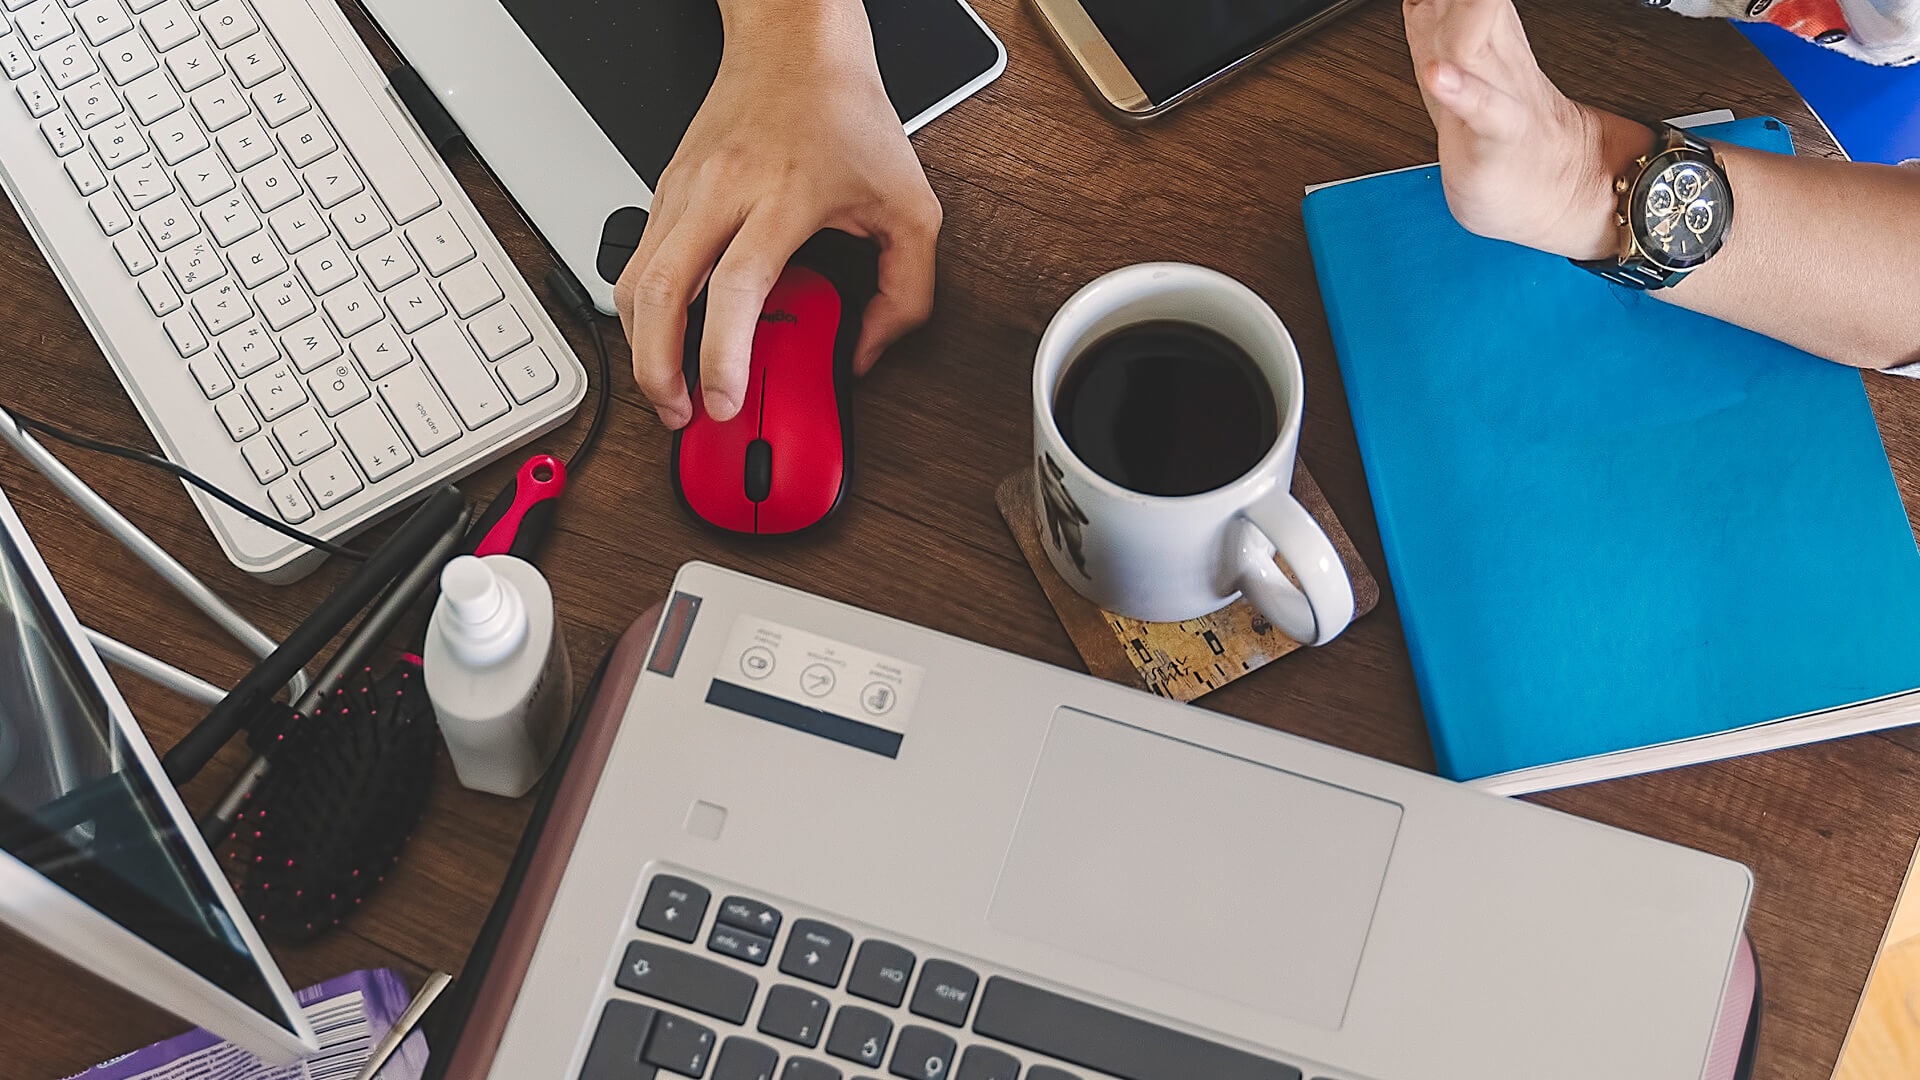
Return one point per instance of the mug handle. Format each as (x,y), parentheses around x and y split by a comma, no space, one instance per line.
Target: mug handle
(1279,523)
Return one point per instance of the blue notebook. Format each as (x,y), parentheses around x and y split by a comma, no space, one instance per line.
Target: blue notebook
(1622,536)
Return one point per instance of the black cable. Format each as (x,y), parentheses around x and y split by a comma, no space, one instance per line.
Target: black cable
(574,298)
(156,461)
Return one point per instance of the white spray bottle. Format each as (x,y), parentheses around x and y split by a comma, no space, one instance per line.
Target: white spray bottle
(496,670)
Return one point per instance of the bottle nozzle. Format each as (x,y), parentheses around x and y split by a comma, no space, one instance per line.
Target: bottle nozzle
(483,617)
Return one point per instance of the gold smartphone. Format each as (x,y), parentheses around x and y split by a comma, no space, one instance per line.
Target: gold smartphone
(1143,57)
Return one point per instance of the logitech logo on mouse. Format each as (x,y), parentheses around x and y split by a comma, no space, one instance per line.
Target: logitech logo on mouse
(780,315)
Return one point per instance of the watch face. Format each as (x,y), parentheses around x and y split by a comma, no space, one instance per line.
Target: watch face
(1684,211)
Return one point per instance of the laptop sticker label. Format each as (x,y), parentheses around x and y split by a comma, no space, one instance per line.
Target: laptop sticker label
(814,684)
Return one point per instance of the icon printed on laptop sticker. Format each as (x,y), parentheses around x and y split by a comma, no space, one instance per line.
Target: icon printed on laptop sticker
(1064,516)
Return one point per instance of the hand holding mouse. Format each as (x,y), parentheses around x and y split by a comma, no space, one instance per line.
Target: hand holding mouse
(797,135)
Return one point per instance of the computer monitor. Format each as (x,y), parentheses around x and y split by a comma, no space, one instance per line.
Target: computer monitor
(99,860)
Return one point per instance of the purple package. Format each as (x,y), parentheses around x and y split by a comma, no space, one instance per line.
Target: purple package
(349,1014)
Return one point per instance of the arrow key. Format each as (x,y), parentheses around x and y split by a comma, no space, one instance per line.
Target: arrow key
(674,907)
(816,952)
(740,945)
(750,915)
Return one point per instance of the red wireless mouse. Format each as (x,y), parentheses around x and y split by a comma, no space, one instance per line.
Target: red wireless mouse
(781,464)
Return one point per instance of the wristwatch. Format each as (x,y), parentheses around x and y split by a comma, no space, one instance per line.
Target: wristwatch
(1676,209)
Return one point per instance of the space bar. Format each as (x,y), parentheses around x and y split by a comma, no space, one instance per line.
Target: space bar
(1106,1041)
(343,97)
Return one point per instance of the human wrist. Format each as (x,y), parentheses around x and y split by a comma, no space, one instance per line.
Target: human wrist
(807,27)
(1607,145)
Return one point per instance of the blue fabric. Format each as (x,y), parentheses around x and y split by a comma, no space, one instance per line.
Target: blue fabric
(1608,522)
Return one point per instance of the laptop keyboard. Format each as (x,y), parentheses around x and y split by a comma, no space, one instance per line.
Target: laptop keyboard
(750,994)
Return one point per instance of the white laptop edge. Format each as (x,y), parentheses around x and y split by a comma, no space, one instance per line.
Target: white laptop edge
(60,922)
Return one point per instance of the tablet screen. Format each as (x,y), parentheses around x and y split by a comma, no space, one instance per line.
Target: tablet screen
(642,69)
(1171,47)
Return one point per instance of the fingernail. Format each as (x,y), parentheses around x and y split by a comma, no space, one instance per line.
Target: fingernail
(719,405)
(673,418)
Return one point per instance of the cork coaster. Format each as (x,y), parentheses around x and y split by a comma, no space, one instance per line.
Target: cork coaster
(1181,660)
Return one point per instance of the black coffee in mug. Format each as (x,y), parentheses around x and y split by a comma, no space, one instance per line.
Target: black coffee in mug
(1166,408)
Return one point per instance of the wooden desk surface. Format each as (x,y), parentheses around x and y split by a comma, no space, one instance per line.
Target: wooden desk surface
(1041,195)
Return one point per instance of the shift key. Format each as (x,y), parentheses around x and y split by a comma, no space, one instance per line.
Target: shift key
(428,424)
(457,367)
(688,980)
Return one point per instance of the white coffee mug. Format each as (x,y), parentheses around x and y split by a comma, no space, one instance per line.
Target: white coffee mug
(1169,559)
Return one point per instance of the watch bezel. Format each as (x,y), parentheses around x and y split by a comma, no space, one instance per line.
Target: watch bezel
(1642,187)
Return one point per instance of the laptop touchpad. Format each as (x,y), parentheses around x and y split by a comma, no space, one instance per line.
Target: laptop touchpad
(1195,867)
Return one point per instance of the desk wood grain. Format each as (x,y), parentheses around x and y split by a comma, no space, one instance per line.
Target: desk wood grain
(1041,194)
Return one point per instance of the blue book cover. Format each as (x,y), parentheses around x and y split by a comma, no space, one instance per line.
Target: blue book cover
(1873,112)
(1609,523)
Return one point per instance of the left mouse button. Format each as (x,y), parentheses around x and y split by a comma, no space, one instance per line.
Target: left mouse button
(759,470)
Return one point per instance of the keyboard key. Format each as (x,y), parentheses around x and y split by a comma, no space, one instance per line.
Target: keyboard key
(333,179)
(796,1015)
(387,262)
(152,98)
(60,133)
(117,142)
(211,374)
(219,103)
(359,220)
(254,62)
(372,441)
(380,351)
(306,139)
(230,219)
(679,1045)
(193,65)
(1048,1072)
(860,1036)
(282,302)
(309,343)
(203,178)
(142,182)
(742,1058)
(169,223)
(289,501)
(280,99)
(195,264)
(461,374)
(275,391)
(42,23)
(110,212)
(67,63)
(168,25)
(271,184)
(338,387)
(298,226)
(185,335)
(227,21)
(427,423)
(1109,1042)
(880,969)
(688,980)
(160,295)
(245,144)
(102,20)
(331,479)
(178,136)
(250,349)
(325,267)
(470,290)
(134,253)
(128,59)
(414,305)
(618,1041)
(986,1063)
(749,915)
(500,331)
(945,992)
(221,306)
(237,417)
(926,1054)
(139,6)
(805,1069)
(37,96)
(740,945)
(302,435)
(439,242)
(93,101)
(15,60)
(816,952)
(264,460)
(352,308)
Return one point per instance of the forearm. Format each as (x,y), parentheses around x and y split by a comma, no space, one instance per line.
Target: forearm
(802,27)
(1823,254)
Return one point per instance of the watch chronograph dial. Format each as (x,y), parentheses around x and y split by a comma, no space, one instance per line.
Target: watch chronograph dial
(1684,214)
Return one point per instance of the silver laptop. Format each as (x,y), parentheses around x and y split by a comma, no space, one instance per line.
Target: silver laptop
(828,844)
(99,860)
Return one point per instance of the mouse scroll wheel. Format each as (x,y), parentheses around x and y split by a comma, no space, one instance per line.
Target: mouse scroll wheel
(759,469)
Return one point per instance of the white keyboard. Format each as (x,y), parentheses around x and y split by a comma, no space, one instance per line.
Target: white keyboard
(290,284)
